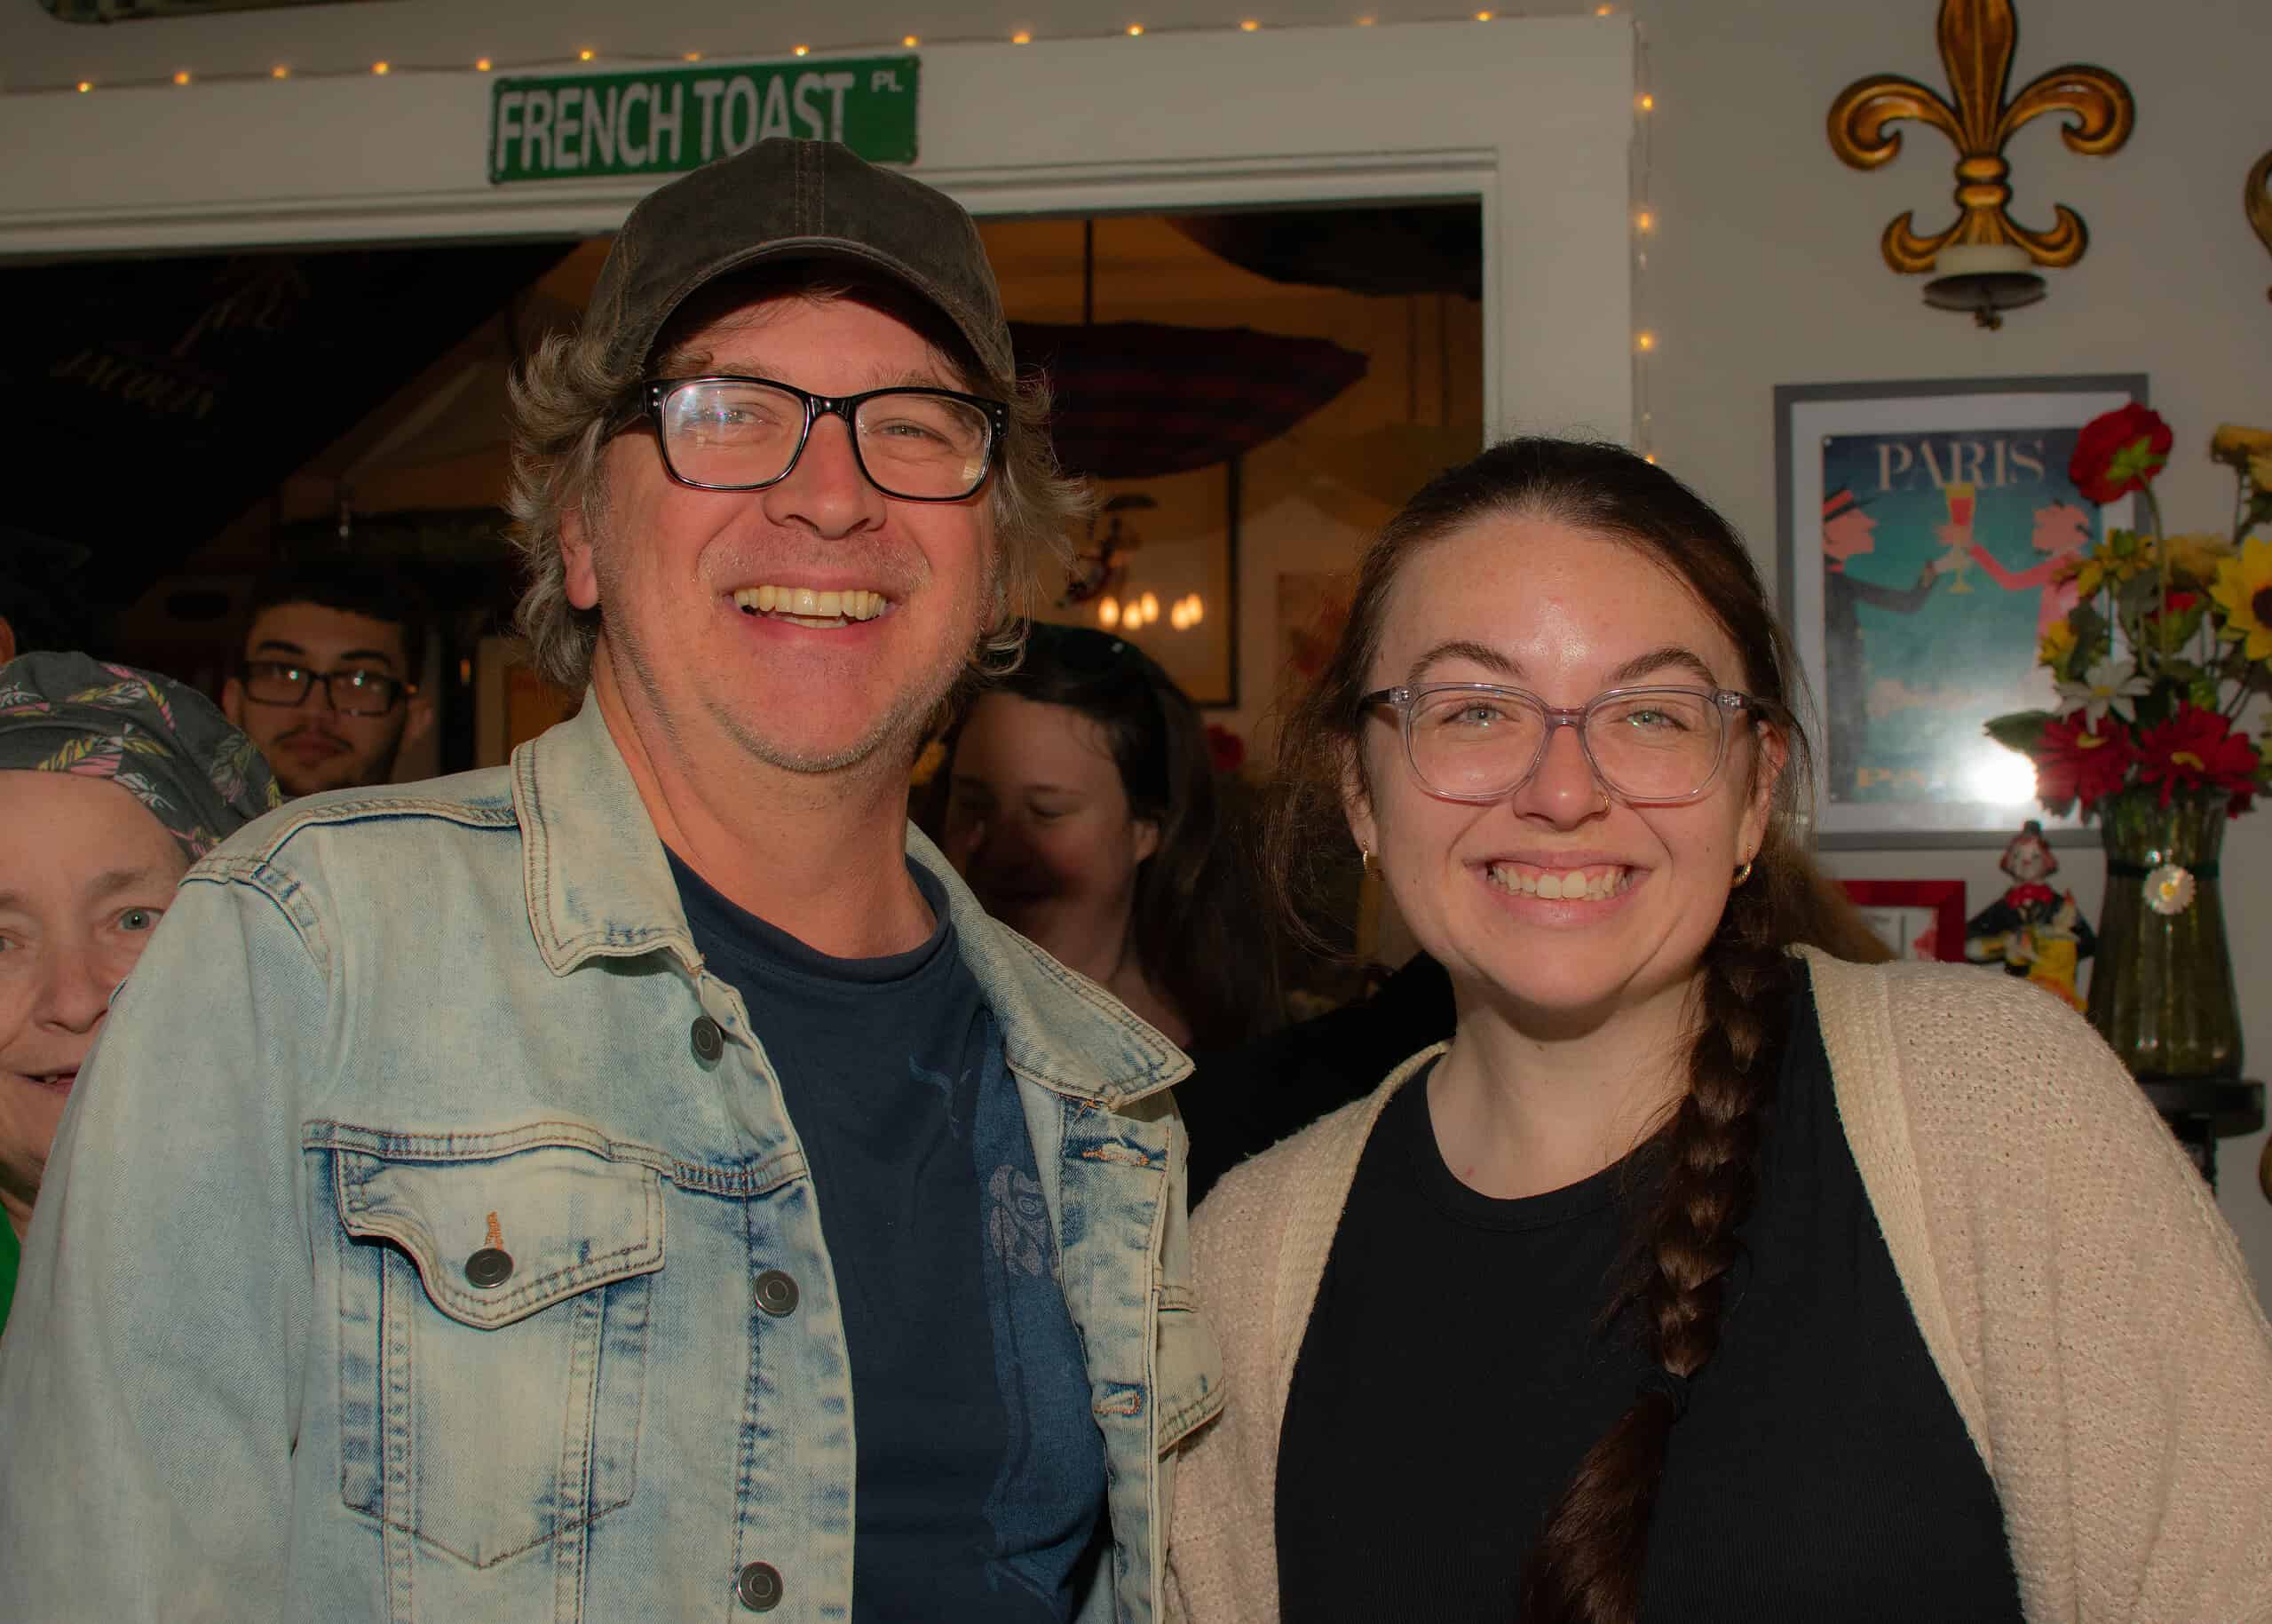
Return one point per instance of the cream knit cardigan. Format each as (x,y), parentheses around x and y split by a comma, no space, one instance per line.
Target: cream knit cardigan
(2080,1295)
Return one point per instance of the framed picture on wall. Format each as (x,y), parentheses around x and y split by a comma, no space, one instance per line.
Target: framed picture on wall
(1926,531)
(1918,919)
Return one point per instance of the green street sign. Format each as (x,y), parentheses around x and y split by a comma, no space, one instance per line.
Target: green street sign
(662,121)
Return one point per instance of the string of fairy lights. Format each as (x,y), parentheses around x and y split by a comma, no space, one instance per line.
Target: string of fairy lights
(1646,340)
(1644,232)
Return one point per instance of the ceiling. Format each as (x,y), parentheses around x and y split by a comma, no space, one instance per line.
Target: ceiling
(146,403)
(128,11)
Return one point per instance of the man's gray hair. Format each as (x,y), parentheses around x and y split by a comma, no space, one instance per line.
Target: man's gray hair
(568,403)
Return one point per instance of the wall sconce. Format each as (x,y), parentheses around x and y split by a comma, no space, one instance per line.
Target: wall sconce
(1984,260)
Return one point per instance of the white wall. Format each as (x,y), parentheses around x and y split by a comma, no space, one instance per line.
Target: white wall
(1763,269)
(1766,270)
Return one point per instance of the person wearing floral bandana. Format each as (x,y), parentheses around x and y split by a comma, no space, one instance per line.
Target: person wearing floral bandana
(112,781)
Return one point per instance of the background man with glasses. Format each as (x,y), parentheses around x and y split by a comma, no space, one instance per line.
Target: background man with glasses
(640,1181)
(328,686)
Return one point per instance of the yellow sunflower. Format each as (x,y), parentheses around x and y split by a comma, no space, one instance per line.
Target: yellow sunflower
(2199,556)
(2244,591)
(2057,647)
(2236,443)
(2112,562)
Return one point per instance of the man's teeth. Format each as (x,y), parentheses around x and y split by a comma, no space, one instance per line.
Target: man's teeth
(1563,884)
(807,604)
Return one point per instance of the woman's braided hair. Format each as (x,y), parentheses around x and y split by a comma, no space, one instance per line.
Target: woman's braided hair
(1586,1566)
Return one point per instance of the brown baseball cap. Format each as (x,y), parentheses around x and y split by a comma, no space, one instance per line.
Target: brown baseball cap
(785,199)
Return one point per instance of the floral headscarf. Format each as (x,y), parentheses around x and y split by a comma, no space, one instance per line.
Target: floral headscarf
(163,743)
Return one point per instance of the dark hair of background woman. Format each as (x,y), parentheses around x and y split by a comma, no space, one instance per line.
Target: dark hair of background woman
(1197,925)
(1587,1563)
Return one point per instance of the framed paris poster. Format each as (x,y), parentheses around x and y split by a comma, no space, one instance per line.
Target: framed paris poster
(1927,532)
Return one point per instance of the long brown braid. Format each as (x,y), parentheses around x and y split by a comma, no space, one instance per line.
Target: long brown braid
(1587,1565)
(1587,1562)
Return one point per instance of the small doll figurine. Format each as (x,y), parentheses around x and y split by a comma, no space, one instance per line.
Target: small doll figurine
(2031,929)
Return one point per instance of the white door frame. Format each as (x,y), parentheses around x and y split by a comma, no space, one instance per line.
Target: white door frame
(1532,116)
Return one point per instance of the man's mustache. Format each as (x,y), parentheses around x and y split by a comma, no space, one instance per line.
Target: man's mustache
(319,735)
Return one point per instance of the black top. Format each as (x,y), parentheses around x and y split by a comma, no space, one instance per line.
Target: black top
(980,1485)
(1454,1373)
(1237,1103)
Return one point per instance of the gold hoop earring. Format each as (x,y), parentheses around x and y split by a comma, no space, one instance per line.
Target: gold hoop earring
(1742,873)
(1366,861)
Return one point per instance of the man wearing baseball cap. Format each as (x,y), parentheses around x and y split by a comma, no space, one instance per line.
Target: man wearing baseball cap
(640,1181)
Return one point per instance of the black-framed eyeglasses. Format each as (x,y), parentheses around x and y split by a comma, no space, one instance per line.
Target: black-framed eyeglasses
(732,433)
(1479,742)
(352,692)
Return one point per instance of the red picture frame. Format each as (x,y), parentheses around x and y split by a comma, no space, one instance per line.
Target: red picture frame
(1894,909)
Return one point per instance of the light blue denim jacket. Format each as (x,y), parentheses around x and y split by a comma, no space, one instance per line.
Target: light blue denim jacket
(249,1374)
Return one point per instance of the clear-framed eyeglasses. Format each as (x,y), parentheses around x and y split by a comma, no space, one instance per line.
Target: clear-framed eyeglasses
(352,692)
(1479,741)
(730,433)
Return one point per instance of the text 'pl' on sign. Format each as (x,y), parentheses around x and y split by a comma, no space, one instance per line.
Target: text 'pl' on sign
(660,122)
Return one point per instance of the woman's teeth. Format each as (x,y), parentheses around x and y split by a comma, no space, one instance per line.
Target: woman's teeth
(804,602)
(1563,884)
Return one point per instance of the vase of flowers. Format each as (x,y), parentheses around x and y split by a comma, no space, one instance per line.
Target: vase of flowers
(2163,992)
(2159,667)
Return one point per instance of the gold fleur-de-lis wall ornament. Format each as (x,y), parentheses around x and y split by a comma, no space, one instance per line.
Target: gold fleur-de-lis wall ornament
(1984,256)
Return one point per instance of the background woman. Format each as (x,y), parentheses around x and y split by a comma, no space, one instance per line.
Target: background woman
(112,782)
(1696,1278)
(1080,805)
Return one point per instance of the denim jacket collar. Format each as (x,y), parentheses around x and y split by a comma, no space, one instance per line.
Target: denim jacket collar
(601,887)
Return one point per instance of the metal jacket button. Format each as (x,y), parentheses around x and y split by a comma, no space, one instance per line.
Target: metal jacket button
(759,1586)
(709,1042)
(489,1267)
(776,1293)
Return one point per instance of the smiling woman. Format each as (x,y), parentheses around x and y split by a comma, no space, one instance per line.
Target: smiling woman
(1079,802)
(112,781)
(85,879)
(1694,1170)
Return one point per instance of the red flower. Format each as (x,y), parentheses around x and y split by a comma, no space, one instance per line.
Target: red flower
(1224,747)
(2198,749)
(2119,452)
(2074,759)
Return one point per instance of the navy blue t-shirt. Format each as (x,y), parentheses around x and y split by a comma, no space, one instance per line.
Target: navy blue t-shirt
(981,1471)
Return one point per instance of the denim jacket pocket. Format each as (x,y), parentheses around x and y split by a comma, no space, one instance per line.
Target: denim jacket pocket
(494,1313)
(1190,1368)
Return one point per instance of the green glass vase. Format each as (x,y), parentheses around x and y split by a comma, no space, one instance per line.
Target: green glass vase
(2162,987)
